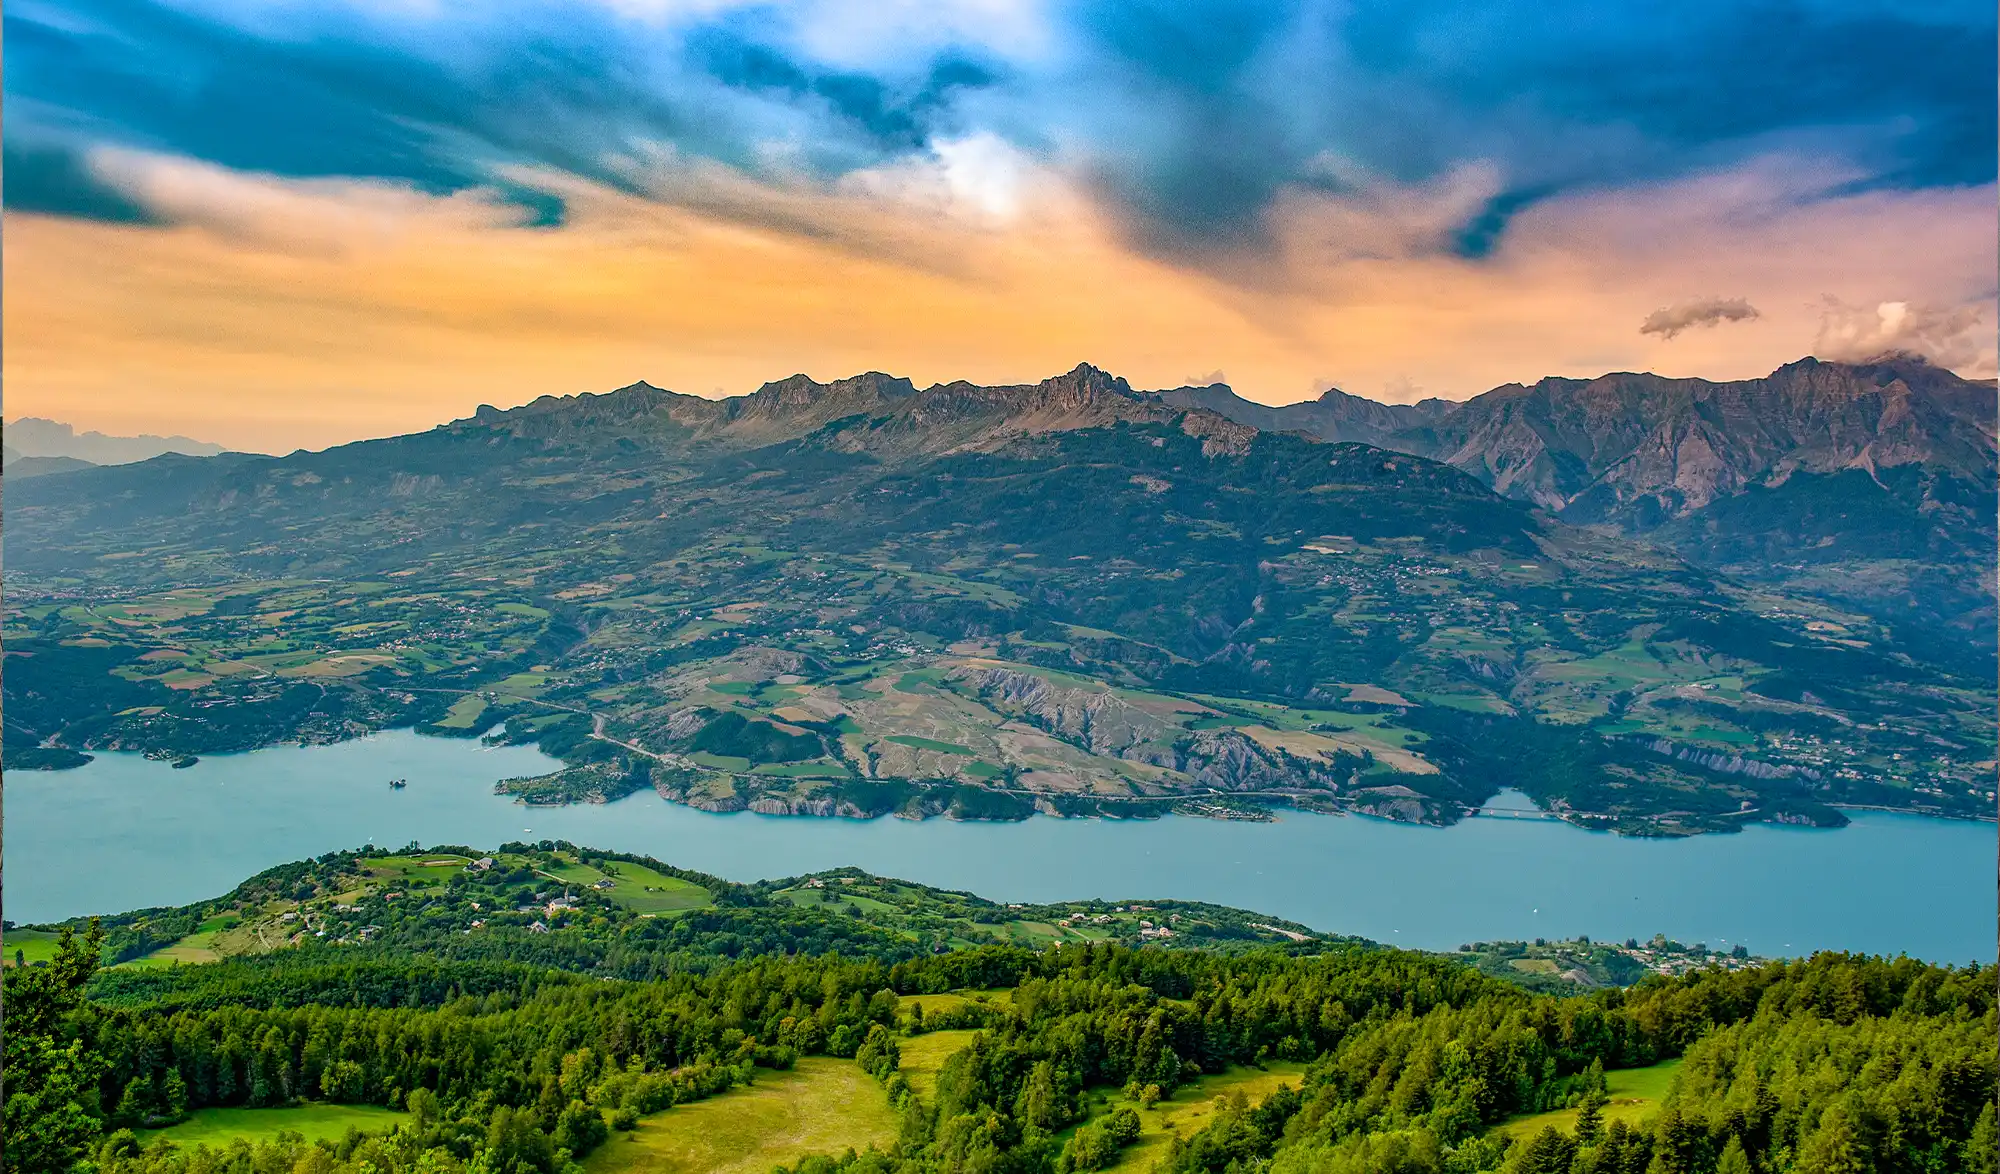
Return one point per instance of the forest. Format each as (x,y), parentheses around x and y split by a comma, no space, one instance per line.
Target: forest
(1826,1065)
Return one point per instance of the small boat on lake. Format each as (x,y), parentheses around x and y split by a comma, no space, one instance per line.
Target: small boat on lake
(398,784)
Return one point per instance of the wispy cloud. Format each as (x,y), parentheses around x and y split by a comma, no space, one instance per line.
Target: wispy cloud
(1669,321)
(1191,119)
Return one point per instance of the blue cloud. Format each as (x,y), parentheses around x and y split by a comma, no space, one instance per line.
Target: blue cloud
(894,116)
(1192,114)
(1912,85)
(1557,93)
(1479,236)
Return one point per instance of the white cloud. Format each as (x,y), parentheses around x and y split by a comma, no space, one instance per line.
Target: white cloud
(292,215)
(875,33)
(981,178)
(1955,336)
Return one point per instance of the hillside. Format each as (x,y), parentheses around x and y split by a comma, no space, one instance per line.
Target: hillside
(556,905)
(861,597)
(20,468)
(1871,485)
(502,1046)
(611,914)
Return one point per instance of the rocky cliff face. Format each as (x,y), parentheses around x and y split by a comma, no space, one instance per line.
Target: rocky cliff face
(1870,484)
(1335,415)
(877,414)
(1102,722)
(1635,450)
(1642,449)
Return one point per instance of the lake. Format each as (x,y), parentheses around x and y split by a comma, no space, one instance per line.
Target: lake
(124,833)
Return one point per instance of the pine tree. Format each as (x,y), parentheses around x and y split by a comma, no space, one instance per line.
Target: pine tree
(1836,1147)
(48,1077)
(1590,1117)
(1734,1160)
(1982,1149)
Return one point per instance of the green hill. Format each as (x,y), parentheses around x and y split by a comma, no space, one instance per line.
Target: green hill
(537,1053)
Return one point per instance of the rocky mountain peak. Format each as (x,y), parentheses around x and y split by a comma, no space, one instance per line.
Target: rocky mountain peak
(801,400)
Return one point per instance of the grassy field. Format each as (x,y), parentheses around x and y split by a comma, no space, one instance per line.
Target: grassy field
(1193,1107)
(720,761)
(1534,965)
(434,869)
(218,937)
(924,1055)
(995,996)
(822,1106)
(639,888)
(194,948)
(34,945)
(217,1127)
(916,743)
(801,770)
(463,713)
(1635,1093)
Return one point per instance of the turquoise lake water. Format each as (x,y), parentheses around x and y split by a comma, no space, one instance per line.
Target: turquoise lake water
(125,833)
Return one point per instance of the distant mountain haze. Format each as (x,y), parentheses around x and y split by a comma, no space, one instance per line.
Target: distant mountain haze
(31,437)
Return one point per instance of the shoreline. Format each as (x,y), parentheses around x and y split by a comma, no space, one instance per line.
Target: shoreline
(1255,806)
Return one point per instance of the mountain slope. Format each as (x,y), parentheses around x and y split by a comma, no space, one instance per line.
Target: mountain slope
(20,467)
(860,597)
(1869,484)
(1335,415)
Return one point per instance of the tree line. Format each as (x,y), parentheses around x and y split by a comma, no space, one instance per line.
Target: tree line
(1836,1063)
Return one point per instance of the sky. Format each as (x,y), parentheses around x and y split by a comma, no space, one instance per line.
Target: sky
(286,223)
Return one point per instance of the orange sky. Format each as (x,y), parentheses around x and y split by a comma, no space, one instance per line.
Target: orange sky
(279,313)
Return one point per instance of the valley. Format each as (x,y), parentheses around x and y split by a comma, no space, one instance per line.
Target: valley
(861,599)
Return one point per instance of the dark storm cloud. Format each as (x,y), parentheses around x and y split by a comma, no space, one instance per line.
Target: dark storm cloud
(1191,116)
(54,179)
(575,95)
(1558,94)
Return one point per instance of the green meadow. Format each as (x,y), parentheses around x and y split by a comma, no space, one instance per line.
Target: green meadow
(820,1106)
(219,1127)
(1635,1093)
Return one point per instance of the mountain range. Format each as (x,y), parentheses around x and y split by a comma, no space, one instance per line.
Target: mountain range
(1072,596)
(1869,483)
(35,447)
